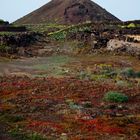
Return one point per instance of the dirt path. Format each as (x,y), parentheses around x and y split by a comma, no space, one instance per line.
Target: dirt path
(59,66)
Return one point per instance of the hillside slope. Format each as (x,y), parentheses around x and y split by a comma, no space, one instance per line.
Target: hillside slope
(67,11)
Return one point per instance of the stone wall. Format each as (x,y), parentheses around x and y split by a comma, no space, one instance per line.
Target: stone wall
(12,29)
(12,43)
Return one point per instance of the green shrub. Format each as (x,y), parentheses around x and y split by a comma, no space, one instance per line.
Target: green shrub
(65,31)
(35,136)
(20,135)
(4,48)
(83,75)
(138,74)
(14,119)
(114,96)
(59,35)
(130,73)
(121,83)
(131,25)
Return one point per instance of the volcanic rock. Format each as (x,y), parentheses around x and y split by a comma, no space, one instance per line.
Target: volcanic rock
(68,12)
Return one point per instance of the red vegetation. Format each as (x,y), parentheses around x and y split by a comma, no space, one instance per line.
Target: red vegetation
(42,126)
(102,126)
(74,107)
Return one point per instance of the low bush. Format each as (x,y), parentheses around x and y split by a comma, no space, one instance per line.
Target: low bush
(4,48)
(137,74)
(20,135)
(130,73)
(73,29)
(59,35)
(131,25)
(114,96)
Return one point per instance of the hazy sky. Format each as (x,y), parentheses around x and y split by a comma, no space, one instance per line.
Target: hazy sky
(124,9)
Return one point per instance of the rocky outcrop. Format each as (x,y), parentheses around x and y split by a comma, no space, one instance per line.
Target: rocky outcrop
(121,46)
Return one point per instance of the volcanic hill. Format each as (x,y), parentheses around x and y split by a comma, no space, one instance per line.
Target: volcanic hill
(68,12)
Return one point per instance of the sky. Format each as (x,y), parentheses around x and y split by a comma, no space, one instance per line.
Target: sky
(11,10)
